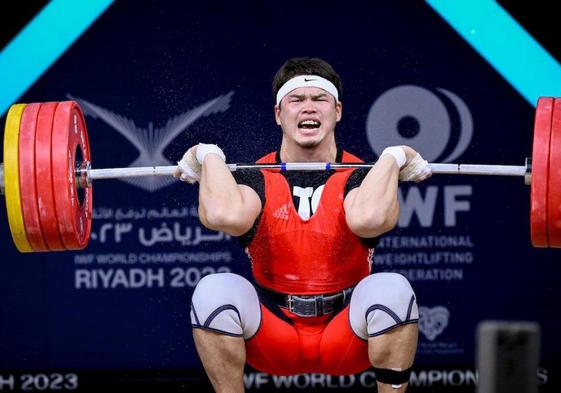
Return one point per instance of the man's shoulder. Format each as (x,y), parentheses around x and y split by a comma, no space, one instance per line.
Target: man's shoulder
(269,158)
(350,157)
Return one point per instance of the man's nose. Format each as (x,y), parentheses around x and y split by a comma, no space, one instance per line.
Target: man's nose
(309,106)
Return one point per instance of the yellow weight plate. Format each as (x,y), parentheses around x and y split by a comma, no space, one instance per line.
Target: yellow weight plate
(11,178)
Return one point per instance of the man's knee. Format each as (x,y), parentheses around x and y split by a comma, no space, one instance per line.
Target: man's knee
(226,303)
(381,302)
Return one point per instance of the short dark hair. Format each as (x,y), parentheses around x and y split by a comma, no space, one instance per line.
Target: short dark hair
(306,66)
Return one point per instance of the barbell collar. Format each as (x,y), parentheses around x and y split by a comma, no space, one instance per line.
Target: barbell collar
(528,174)
(83,177)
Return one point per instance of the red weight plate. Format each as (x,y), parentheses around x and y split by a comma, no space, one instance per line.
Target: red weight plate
(28,189)
(540,170)
(73,209)
(44,177)
(554,179)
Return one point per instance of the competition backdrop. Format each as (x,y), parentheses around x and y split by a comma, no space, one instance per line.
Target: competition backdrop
(117,312)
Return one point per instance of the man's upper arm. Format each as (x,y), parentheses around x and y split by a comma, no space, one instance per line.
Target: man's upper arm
(251,184)
(351,190)
(251,207)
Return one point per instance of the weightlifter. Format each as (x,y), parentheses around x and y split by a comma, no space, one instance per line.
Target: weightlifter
(313,304)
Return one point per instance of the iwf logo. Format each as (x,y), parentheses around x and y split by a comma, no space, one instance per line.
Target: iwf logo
(150,141)
(436,123)
(433,321)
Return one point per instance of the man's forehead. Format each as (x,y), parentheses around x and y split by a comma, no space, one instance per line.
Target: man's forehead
(308,90)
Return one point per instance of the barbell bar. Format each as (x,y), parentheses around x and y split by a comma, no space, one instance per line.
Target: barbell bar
(47,176)
(86,175)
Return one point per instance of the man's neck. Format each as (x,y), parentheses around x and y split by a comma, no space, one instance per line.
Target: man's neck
(308,155)
(299,154)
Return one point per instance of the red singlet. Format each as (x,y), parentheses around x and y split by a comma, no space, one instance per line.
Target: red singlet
(320,255)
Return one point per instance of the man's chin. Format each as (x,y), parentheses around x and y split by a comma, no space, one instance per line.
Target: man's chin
(308,141)
(308,144)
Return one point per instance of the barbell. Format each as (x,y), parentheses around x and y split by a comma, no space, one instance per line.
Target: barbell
(47,178)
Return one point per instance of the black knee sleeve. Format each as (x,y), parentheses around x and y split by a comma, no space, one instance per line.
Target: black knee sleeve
(392,377)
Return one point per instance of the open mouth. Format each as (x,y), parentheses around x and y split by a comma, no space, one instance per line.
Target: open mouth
(309,124)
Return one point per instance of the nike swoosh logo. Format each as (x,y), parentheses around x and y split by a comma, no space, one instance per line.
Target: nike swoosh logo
(309,80)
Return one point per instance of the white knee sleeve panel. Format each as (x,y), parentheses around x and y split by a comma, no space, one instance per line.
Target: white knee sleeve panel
(381,302)
(226,303)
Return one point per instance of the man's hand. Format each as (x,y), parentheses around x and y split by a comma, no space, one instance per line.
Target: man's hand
(189,168)
(412,167)
(416,168)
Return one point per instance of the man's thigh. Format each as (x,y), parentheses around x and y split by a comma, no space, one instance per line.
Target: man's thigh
(283,347)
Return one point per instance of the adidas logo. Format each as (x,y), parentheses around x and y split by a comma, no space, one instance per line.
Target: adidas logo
(282,212)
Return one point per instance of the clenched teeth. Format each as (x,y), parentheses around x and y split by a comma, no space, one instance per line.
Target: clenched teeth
(309,124)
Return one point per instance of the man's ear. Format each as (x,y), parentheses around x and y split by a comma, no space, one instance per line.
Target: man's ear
(277,114)
(339,109)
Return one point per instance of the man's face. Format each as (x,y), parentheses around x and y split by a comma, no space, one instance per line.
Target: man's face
(307,116)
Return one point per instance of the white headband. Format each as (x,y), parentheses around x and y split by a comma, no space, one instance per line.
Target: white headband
(307,81)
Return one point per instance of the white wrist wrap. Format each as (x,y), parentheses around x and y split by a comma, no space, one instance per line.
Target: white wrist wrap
(397,152)
(203,149)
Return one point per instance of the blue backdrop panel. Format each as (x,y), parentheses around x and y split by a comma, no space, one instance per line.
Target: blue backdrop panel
(155,79)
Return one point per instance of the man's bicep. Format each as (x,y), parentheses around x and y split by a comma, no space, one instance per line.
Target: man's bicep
(252,185)
(348,204)
(251,206)
(239,217)
(354,214)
